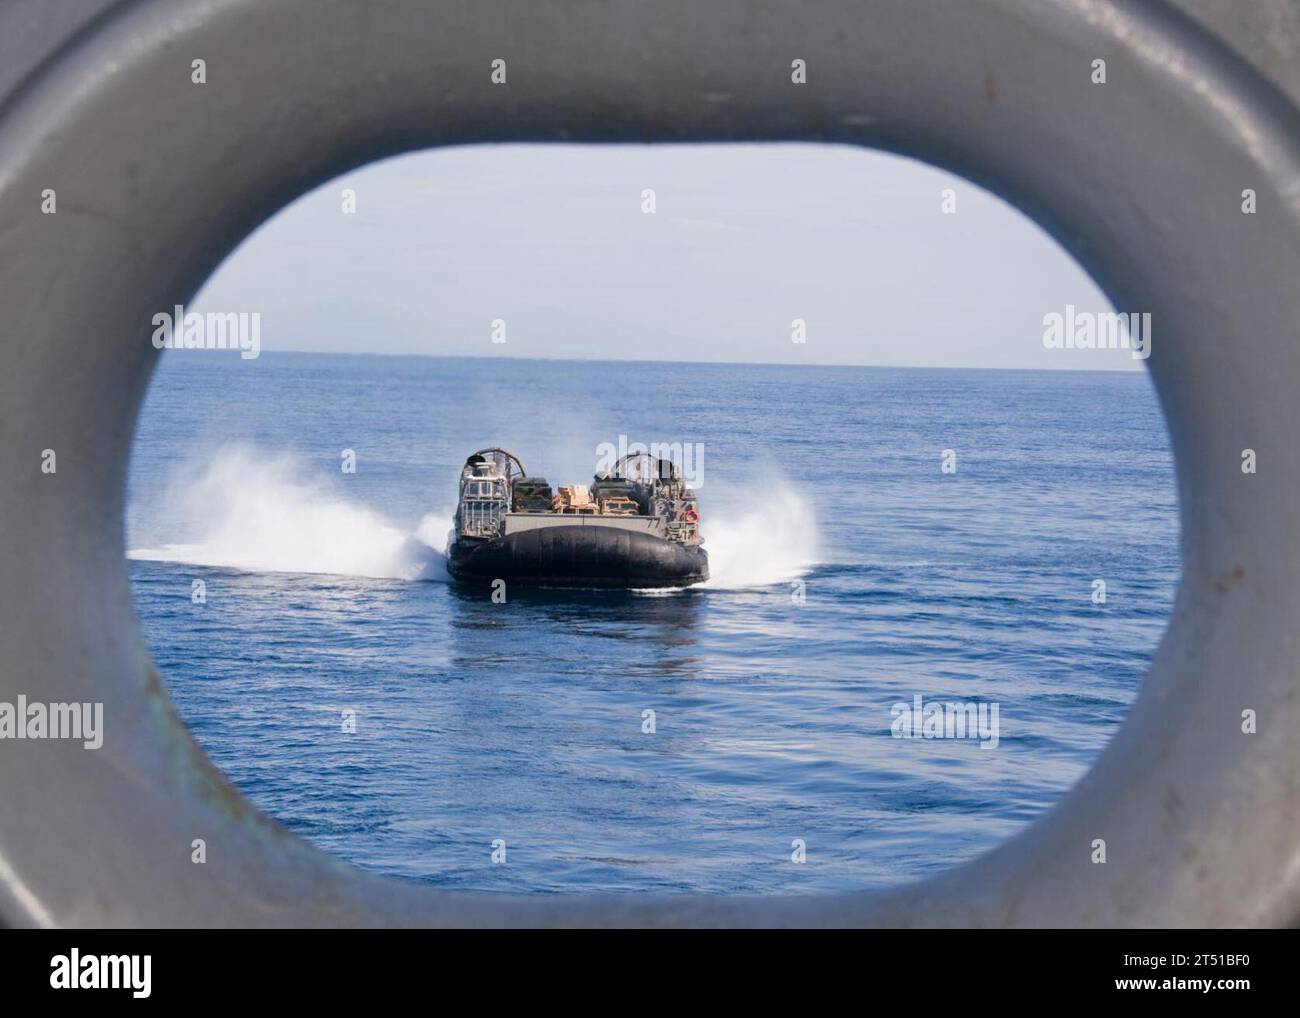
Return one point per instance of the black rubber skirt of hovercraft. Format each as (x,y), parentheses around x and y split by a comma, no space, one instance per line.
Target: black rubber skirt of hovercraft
(579,556)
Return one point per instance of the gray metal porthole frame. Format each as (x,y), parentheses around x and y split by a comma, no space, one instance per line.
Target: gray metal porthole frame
(157,179)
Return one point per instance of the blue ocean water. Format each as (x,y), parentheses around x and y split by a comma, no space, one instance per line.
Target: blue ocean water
(525,721)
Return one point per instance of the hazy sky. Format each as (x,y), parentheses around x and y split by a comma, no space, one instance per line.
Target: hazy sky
(744,240)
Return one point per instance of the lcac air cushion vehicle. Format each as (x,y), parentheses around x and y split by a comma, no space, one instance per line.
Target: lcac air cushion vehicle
(636,526)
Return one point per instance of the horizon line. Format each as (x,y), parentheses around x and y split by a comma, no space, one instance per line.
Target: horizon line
(701,363)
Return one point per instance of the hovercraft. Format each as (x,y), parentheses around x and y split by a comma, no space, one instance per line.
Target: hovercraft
(635,526)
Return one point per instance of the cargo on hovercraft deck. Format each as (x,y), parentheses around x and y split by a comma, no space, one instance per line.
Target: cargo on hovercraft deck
(637,525)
